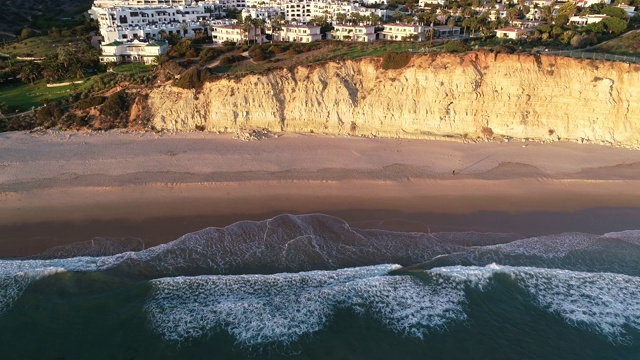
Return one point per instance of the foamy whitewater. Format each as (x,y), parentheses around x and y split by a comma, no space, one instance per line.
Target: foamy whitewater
(311,286)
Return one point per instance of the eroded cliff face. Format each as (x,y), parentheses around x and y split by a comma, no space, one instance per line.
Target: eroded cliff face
(518,96)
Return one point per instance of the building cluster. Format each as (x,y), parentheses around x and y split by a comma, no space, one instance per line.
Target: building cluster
(136,30)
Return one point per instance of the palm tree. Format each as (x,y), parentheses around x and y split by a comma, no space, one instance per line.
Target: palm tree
(29,71)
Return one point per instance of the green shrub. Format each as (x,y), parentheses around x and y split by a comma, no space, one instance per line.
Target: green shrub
(580,41)
(116,108)
(89,102)
(193,78)
(505,48)
(48,116)
(455,46)
(395,60)
(278,48)
(191,54)
(231,59)
(259,54)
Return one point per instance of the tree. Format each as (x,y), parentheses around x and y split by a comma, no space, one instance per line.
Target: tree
(562,19)
(580,41)
(374,19)
(614,25)
(615,12)
(54,33)
(569,9)
(30,71)
(26,33)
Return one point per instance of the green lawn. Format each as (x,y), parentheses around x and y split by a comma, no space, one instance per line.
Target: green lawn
(25,96)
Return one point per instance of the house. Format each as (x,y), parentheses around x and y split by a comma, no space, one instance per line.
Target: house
(426,3)
(587,3)
(526,24)
(445,31)
(586,20)
(133,51)
(298,33)
(236,34)
(403,32)
(360,33)
(514,33)
(630,10)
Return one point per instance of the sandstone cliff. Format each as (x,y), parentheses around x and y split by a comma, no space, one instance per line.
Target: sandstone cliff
(518,96)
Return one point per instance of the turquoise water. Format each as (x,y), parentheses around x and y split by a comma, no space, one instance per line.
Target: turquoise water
(312,287)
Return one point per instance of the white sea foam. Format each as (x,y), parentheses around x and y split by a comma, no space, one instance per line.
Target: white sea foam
(282,308)
(16,275)
(601,302)
(631,236)
(550,246)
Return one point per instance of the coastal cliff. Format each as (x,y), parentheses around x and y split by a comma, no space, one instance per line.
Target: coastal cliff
(474,95)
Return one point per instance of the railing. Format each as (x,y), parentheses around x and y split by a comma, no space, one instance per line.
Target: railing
(576,54)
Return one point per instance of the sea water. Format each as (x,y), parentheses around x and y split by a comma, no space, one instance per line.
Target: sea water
(313,287)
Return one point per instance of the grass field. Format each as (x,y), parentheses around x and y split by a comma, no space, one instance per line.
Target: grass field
(25,96)
(627,44)
(39,46)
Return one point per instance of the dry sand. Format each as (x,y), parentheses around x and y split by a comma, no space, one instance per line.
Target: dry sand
(83,178)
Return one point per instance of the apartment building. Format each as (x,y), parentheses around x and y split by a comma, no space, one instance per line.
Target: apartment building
(298,33)
(236,34)
(403,32)
(359,33)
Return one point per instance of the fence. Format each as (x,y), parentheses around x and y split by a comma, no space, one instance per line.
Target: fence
(593,56)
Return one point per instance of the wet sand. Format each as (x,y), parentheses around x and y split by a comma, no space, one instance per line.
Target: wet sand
(58,188)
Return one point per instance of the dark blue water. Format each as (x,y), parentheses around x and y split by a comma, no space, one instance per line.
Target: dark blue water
(312,287)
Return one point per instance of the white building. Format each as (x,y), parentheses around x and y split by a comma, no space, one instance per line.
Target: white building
(446,31)
(123,23)
(586,20)
(426,3)
(587,3)
(140,3)
(403,32)
(236,34)
(513,33)
(298,33)
(133,51)
(630,10)
(360,33)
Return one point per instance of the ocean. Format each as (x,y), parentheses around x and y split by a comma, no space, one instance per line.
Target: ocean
(314,287)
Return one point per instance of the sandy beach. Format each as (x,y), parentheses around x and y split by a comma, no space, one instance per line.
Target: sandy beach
(62,187)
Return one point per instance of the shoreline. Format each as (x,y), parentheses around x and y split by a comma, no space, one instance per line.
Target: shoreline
(112,179)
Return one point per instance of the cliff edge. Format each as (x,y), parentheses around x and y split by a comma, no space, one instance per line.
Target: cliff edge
(473,94)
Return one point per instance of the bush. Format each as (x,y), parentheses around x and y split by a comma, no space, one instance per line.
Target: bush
(259,54)
(116,108)
(191,54)
(395,60)
(231,59)
(504,48)
(89,102)
(487,132)
(580,41)
(48,116)
(455,46)
(193,78)
(278,49)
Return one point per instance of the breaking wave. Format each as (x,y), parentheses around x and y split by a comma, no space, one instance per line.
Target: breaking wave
(262,309)
(284,279)
(605,303)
